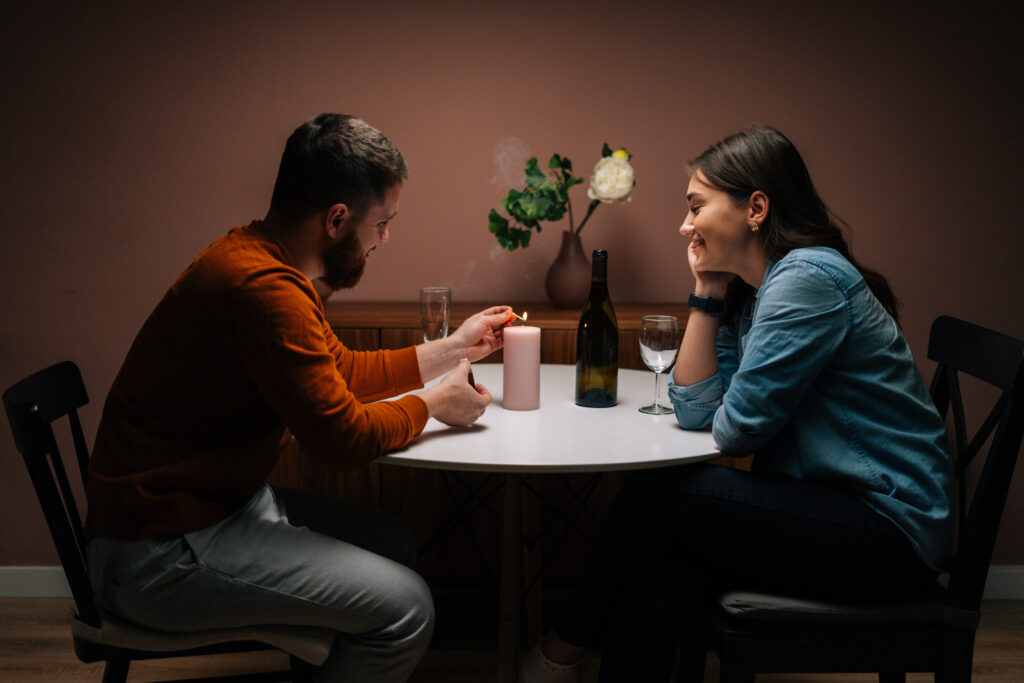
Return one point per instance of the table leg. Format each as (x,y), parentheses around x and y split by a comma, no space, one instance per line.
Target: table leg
(533,566)
(511,572)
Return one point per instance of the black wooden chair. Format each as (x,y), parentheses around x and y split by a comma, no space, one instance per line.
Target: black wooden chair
(33,405)
(762,633)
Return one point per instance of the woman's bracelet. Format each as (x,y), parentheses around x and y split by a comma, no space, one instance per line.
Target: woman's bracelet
(712,307)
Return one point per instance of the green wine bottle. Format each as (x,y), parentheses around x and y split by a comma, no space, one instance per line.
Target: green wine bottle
(597,343)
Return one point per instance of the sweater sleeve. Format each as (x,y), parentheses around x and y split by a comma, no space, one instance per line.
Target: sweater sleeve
(373,375)
(288,351)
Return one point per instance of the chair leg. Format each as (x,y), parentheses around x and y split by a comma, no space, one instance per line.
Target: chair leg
(957,660)
(956,672)
(302,671)
(731,673)
(690,664)
(116,671)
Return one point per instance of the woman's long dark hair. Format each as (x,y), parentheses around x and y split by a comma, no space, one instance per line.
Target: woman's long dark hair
(762,158)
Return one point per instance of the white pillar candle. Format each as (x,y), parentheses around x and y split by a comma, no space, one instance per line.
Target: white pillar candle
(521,387)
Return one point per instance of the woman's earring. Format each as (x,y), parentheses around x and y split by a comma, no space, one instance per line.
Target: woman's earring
(754,227)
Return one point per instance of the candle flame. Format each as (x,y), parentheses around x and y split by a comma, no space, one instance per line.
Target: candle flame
(525,314)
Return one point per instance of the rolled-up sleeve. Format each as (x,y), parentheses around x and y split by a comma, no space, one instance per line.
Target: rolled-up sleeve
(695,404)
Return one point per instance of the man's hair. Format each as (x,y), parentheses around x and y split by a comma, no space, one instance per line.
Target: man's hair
(335,159)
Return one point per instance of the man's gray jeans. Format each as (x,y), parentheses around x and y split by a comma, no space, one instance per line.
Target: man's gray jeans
(285,558)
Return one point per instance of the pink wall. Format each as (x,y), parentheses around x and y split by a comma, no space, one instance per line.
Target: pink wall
(136,133)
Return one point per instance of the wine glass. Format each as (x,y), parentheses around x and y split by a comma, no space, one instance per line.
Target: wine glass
(659,344)
(435,312)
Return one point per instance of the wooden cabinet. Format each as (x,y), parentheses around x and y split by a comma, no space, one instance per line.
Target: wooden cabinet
(389,325)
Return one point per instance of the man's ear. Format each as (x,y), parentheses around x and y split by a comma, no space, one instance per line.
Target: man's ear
(335,219)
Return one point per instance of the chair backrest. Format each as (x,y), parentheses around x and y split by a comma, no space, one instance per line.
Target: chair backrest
(998,360)
(33,405)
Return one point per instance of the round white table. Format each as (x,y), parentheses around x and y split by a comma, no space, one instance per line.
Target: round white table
(559,437)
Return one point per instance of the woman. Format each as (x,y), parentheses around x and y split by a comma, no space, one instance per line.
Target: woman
(792,352)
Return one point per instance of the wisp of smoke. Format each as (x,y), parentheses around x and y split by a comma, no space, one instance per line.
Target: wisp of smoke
(510,157)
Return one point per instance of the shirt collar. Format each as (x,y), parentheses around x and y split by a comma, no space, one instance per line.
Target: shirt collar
(767,272)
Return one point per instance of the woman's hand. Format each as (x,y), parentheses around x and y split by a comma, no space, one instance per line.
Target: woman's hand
(698,359)
(712,283)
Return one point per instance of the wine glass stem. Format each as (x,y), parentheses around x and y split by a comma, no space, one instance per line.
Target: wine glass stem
(657,388)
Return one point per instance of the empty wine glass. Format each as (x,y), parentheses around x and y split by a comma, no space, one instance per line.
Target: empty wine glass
(659,344)
(435,312)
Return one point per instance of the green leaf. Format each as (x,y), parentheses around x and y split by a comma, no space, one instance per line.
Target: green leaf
(533,207)
(497,222)
(534,176)
(560,163)
(513,195)
(556,212)
(606,151)
(524,237)
(498,225)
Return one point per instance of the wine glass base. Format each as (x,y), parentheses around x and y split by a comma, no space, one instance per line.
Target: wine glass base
(656,409)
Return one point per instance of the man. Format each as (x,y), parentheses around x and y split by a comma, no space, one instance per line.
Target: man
(235,359)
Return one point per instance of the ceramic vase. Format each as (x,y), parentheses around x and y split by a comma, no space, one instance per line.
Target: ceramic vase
(568,280)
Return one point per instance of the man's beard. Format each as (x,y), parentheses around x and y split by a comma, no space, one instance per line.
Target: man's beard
(343,263)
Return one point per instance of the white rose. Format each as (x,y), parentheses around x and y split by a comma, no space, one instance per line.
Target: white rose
(612,180)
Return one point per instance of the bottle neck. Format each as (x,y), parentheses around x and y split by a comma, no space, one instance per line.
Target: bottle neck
(599,274)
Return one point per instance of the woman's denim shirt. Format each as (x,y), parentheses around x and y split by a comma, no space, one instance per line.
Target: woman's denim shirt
(816,378)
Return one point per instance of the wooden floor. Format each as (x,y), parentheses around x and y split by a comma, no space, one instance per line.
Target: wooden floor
(35,646)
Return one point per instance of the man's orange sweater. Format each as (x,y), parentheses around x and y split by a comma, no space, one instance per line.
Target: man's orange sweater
(236,355)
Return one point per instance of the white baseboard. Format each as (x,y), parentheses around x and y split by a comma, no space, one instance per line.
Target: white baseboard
(33,582)
(1005,582)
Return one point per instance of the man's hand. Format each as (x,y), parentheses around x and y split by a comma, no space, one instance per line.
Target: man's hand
(478,336)
(482,334)
(453,401)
